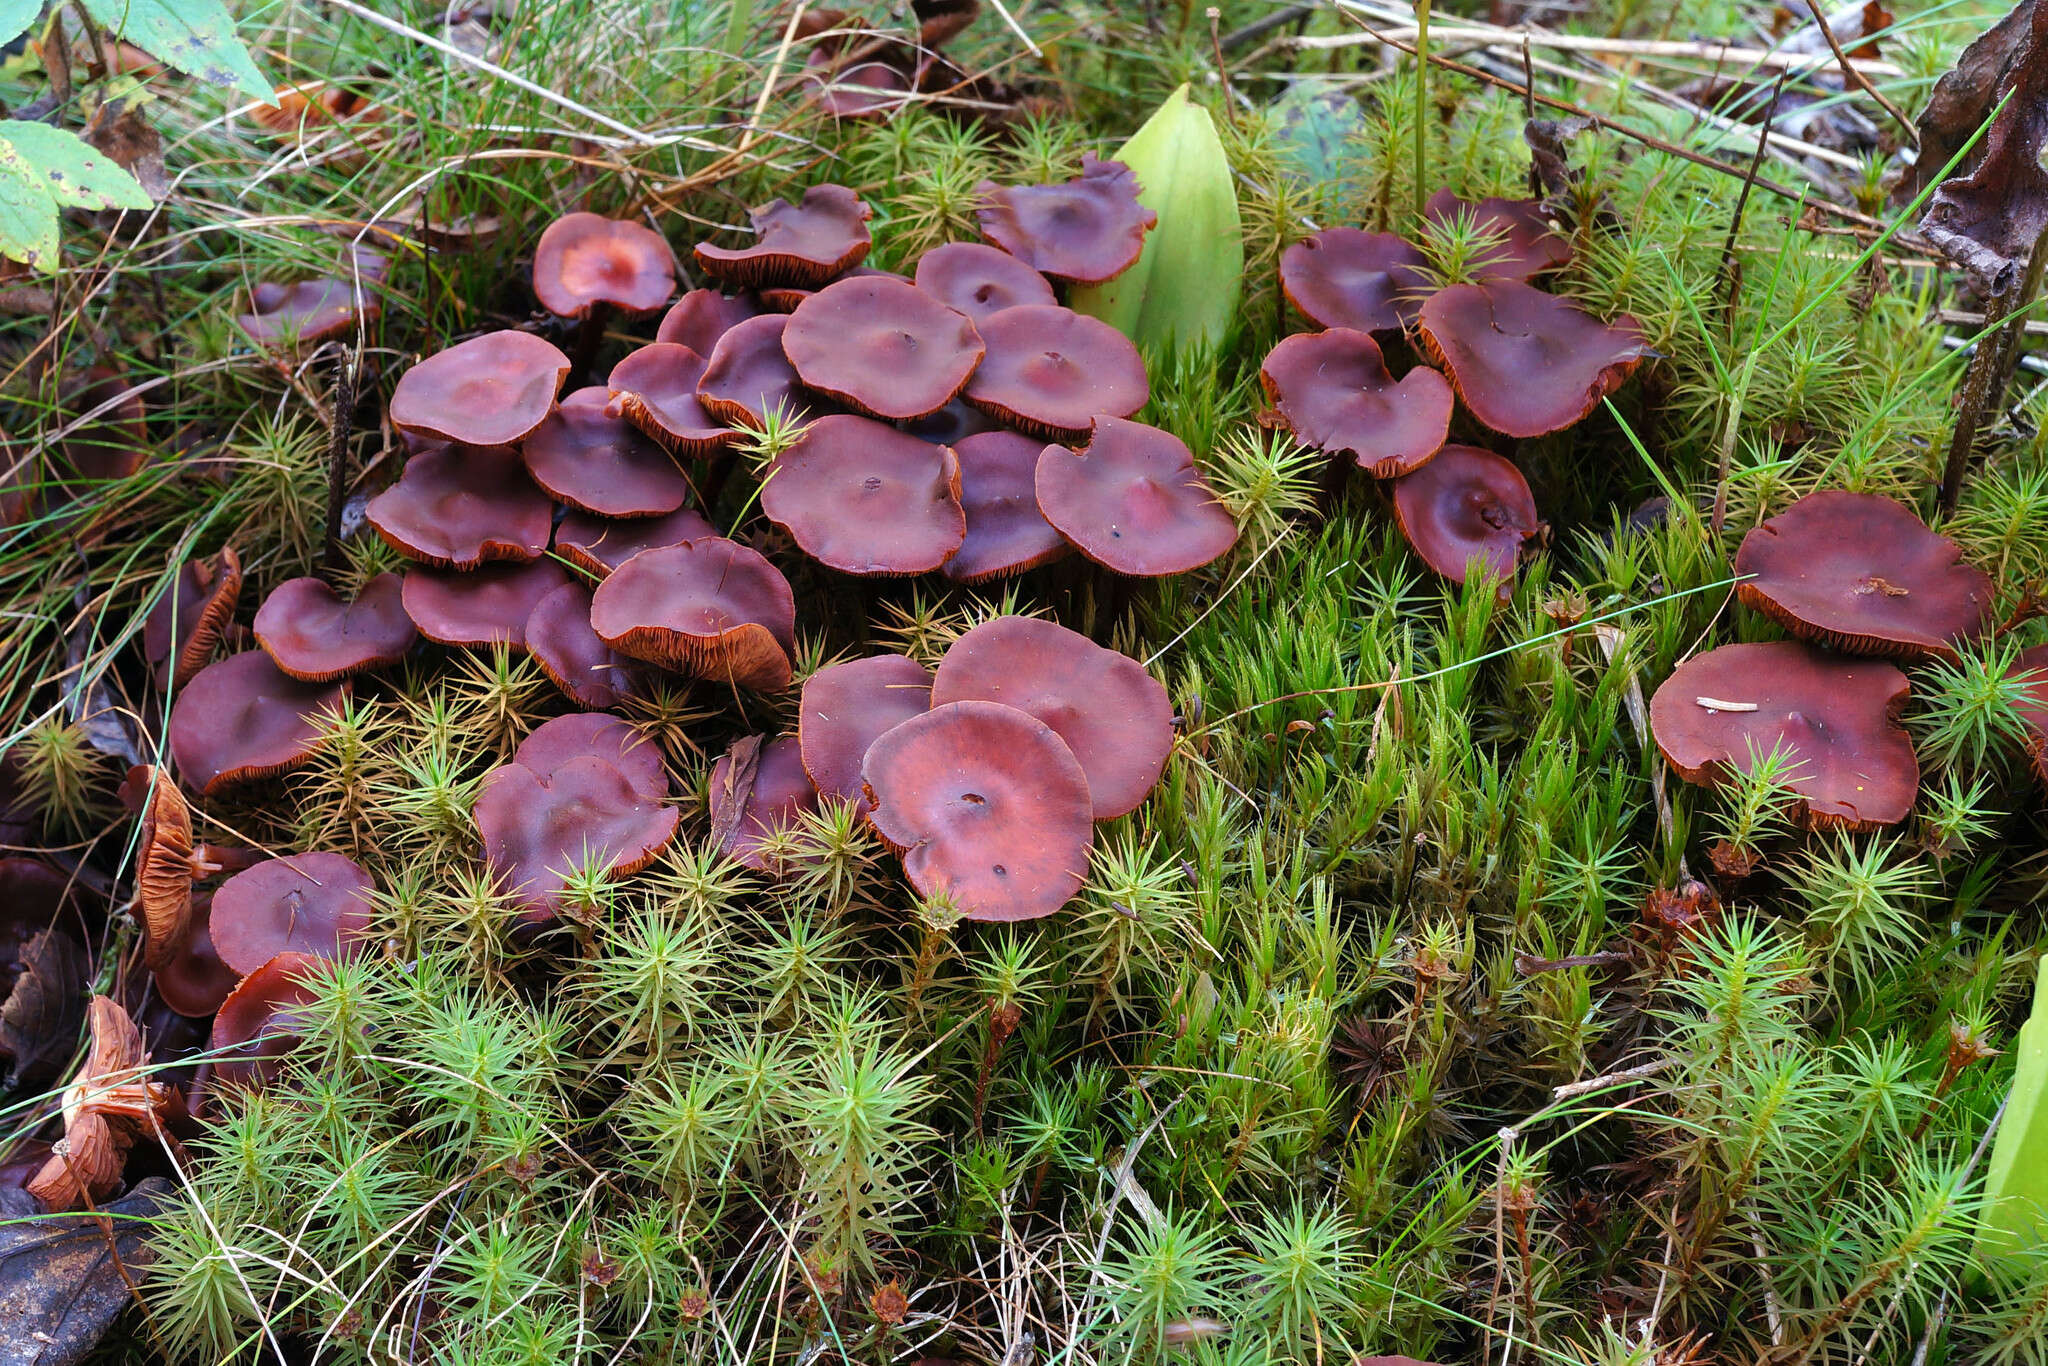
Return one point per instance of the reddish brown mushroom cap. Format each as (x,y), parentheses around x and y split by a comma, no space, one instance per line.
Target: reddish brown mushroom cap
(1526,362)
(263,1020)
(489,606)
(597,545)
(863,498)
(978,280)
(1466,505)
(457,507)
(1132,501)
(311,634)
(758,793)
(1853,768)
(586,260)
(113,445)
(304,313)
(987,806)
(748,374)
(881,347)
(539,831)
(710,608)
(560,639)
(555,742)
(195,981)
(1085,230)
(1528,245)
(1864,574)
(1114,716)
(2031,668)
(313,903)
(803,244)
(1053,371)
(952,424)
(182,631)
(242,718)
(589,459)
(1346,277)
(701,317)
(846,707)
(1006,533)
(488,391)
(655,389)
(1334,392)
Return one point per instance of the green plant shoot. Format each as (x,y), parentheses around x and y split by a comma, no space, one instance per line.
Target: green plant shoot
(2016,1186)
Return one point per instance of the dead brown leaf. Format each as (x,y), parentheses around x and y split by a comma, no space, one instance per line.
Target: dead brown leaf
(1989,220)
(118,129)
(41,1017)
(61,1286)
(1965,97)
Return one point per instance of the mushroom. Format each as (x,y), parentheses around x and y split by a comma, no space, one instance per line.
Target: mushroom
(106,1108)
(843,709)
(786,298)
(167,863)
(313,903)
(597,546)
(263,1020)
(488,391)
(1051,371)
(1006,533)
(310,633)
(979,280)
(1863,574)
(184,628)
(987,806)
(710,608)
(242,718)
(540,830)
(1464,505)
(107,447)
(802,244)
(952,424)
(1346,277)
(655,389)
(195,981)
(555,742)
(1334,392)
(1084,231)
(488,607)
(1526,362)
(881,347)
(757,793)
(310,311)
(1528,245)
(701,317)
(2031,669)
(586,457)
(588,267)
(748,375)
(863,498)
(559,637)
(1132,501)
(1853,768)
(458,507)
(1113,715)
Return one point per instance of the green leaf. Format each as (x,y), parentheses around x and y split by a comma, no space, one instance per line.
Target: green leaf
(1317,133)
(16,16)
(1183,291)
(195,36)
(28,216)
(73,171)
(2016,1184)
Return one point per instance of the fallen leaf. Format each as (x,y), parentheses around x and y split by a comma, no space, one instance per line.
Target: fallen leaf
(1318,132)
(43,1014)
(1549,149)
(1964,97)
(130,141)
(737,781)
(1988,221)
(61,1286)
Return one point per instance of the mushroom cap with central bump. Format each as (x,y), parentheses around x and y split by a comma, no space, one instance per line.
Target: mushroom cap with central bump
(1863,574)
(1347,277)
(1006,533)
(598,545)
(263,1020)
(1528,245)
(1525,362)
(589,672)
(1334,392)
(979,280)
(313,903)
(803,244)
(702,316)
(555,742)
(655,389)
(457,507)
(1464,505)
(881,347)
(758,793)
(748,375)
(1838,717)
(710,608)
(1085,230)
(845,707)
(539,831)
(1132,501)
(863,498)
(1114,716)
(488,607)
(242,718)
(304,313)
(591,460)
(586,260)
(488,391)
(1052,371)
(181,632)
(311,634)
(987,806)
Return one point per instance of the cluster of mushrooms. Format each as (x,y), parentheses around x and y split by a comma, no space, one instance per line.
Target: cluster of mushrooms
(1522,361)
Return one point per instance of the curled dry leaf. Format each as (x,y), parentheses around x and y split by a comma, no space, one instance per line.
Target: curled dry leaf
(1988,219)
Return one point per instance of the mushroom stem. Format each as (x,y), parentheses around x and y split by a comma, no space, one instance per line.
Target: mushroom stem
(589,336)
(337,460)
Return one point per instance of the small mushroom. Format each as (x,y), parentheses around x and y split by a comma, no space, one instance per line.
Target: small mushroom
(655,389)
(555,742)
(302,314)
(1006,533)
(845,707)
(863,498)
(803,244)
(195,981)
(1132,501)
(313,903)
(1334,392)
(786,299)
(979,280)
(597,545)
(749,376)
(1084,231)
(559,637)
(587,265)
(538,831)
(710,608)
(987,806)
(182,631)
(881,347)
(1526,362)
(701,317)
(489,606)
(106,1108)
(242,718)
(263,1020)
(458,507)
(167,863)
(1346,277)
(310,633)
(592,460)
(110,446)
(757,793)
(488,391)
(1863,574)
(1853,766)
(1465,505)
(1051,371)
(1528,245)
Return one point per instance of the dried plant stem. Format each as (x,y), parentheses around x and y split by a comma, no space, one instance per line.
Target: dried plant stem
(337,460)
(1421,106)
(1857,80)
(1976,395)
